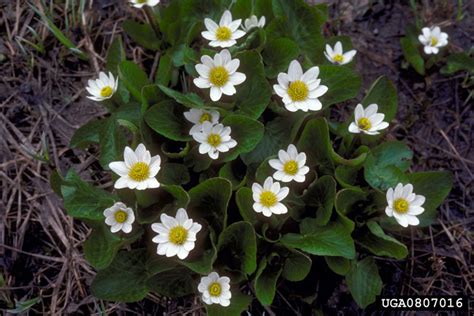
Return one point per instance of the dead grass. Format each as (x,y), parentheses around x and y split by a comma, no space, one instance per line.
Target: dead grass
(42,102)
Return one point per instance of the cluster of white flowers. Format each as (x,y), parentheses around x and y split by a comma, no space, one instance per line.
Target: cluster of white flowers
(212,136)
(289,166)
(176,236)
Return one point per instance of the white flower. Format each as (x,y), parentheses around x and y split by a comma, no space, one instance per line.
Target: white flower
(224,34)
(176,235)
(404,205)
(119,217)
(102,88)
(367,121)
(267,198)
(300,91)
(252,22)
(290,165)
(198,116)
(432,38)
(215,289)
(138,170)
(141,3)
(220,74)
(337,56)
(214,139)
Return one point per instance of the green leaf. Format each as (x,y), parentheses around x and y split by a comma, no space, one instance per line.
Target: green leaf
(115,55)
(412,54)
(275,137)
(204,254)
(343,84)
(297,266)
(300,22)
(346,176)
(87,134)
(278,54)
(209,200)
(346,199)
(238,304)
(384,94)
(458,62)
(385,165)
(165,69)
(245,202)
(166,199)
(112,141)
(143,34)
(316,131)
(338,265)
(254,94)
(174,173)
(124,280)
(320,195)
(190,100)
(167,119)
(380,244)
(134,78)
(173,283)
(435,187)
(232,171)
(364,281)
(246,131)
(331,240)
(101,246)
(239,239)
(265,281)
(84,201)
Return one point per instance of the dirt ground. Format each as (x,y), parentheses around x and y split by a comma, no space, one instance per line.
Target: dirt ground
(42,102)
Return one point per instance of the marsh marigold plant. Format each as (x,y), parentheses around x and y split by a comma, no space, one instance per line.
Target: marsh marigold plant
(227,179)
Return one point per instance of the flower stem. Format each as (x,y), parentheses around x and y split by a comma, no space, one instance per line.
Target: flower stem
(154,24)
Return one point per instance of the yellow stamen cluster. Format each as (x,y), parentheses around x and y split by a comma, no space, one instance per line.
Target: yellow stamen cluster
(178,235)
(364,123)
(338,58)
(298,90)
(223,33)
(139,172)
(205,117)
(434,41)
(106,91)
(120,216)
(218,76)
(268,198)
(401,205)
(215,289)
(214,140)
(290,167)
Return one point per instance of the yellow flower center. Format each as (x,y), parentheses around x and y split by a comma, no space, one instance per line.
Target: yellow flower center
(364,123)
(434,41)
(401,205)
(178,235)
(141,1)
(268,198)
(223,33)
(218,76)
(205,117)
(338,58)
(139,172)
(121,216)
(298,90)
(214,140)
(215,289)
(106,91)
(290,167)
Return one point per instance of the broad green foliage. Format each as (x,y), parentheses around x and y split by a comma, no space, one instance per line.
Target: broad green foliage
(337,212)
